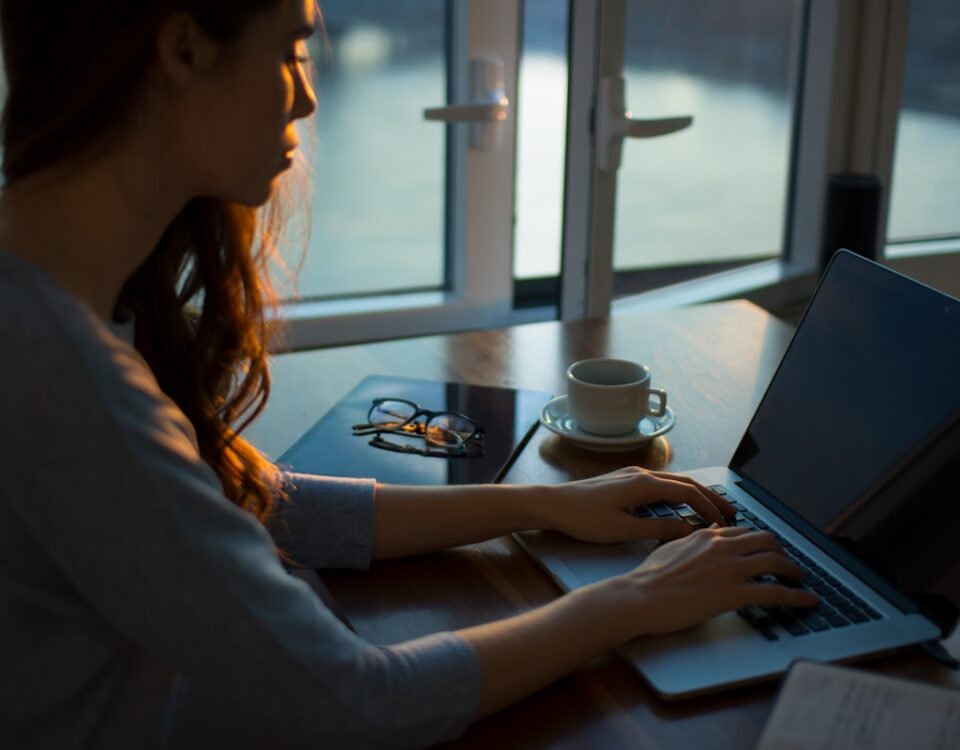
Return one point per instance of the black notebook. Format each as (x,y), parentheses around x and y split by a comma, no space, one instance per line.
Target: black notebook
(508,417)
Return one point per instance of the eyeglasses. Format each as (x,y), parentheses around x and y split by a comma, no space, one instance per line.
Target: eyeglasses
(456,434)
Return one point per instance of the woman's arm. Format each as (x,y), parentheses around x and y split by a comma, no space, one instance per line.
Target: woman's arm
(412,520)
(680,584)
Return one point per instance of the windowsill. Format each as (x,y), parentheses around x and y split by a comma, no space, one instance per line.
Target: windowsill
(747,281)
(357,320)
(367,305)
(771,283)
(921,248)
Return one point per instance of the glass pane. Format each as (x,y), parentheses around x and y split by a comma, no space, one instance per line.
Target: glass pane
(542,112)
(378,198)
(715,192)
(925,194)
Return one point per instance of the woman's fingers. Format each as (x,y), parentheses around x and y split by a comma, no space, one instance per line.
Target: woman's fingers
(750,542)
(767,563)
(731,530)
(663,529)
(772,595)
(679,493)
(719,501)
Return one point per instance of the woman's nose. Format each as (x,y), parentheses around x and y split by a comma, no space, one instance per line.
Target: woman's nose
(305,100)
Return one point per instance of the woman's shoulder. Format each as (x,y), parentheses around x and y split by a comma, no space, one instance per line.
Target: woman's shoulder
(66,365)
(40,317)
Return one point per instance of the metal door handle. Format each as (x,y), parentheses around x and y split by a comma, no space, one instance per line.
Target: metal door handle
(488,109)
(614,123)
(469,112)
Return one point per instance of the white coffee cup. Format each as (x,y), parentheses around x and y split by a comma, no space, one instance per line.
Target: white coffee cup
(608,396)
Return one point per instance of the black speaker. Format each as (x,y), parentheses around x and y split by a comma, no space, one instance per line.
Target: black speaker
(852,215)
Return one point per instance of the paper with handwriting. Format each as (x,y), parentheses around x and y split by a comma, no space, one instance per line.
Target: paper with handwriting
(828,707)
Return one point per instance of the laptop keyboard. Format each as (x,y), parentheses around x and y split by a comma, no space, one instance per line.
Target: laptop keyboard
(839,607)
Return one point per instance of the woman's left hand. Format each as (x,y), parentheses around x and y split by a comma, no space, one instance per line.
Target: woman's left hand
(600,509)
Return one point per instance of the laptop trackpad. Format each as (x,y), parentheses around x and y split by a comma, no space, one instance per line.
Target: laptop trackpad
(590,564)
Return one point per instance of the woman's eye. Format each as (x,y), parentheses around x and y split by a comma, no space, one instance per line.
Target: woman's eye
(298,57)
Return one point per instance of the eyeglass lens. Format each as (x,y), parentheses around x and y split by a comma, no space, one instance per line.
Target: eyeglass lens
(391,414)
(448,430)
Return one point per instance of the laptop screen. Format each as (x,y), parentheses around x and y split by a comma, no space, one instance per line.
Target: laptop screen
(859,430)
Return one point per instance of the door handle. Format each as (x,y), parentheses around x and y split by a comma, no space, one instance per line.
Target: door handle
(488,109)
(614,123)
(494,112)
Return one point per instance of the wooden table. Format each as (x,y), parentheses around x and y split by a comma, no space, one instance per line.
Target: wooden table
(715,362)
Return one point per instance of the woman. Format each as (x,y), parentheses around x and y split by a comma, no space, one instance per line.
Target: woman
(136,571)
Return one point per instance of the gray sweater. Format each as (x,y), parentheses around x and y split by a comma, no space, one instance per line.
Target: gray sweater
(130,587)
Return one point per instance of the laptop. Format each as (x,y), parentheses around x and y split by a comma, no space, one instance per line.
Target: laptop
(852,459)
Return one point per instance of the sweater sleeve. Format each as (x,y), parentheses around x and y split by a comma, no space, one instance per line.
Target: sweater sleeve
(104,473)
(325,522)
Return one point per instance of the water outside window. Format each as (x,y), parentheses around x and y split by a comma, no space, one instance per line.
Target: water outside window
(716,191)
(379,171)
(541,139)
(925,200)
(713,193)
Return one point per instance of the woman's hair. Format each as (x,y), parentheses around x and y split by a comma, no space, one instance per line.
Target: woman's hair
(201,299)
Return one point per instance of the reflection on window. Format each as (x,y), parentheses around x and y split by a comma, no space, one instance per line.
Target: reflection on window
(378,174)
(926,182)
(717,191)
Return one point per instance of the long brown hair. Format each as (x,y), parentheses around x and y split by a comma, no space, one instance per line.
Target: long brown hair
(202,298)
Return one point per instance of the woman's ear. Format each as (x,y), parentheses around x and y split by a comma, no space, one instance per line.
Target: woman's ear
(183,50)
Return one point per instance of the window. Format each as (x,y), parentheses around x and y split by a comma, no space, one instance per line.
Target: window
(782,93)
(912,134)
(412,216)
(717,85)
(428,226)
(378,200)
(541,115)
(844,91)
(710,197)
(926,183)
(715,192)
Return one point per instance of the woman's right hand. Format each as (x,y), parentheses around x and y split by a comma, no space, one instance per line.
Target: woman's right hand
(681,583)
(687,581)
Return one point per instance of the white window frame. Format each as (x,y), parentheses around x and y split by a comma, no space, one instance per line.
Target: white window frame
(479,292)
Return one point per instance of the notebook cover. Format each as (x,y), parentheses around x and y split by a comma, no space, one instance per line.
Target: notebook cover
(329,448)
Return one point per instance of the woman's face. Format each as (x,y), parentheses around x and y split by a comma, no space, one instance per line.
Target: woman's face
(239,130)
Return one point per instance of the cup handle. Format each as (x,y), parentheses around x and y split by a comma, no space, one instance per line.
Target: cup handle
(662,395)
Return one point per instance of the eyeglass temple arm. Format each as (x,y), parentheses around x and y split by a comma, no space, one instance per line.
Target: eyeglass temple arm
(408,428)
(459,452)
(394,446)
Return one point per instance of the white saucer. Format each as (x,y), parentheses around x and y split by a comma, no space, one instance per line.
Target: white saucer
(555,417)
